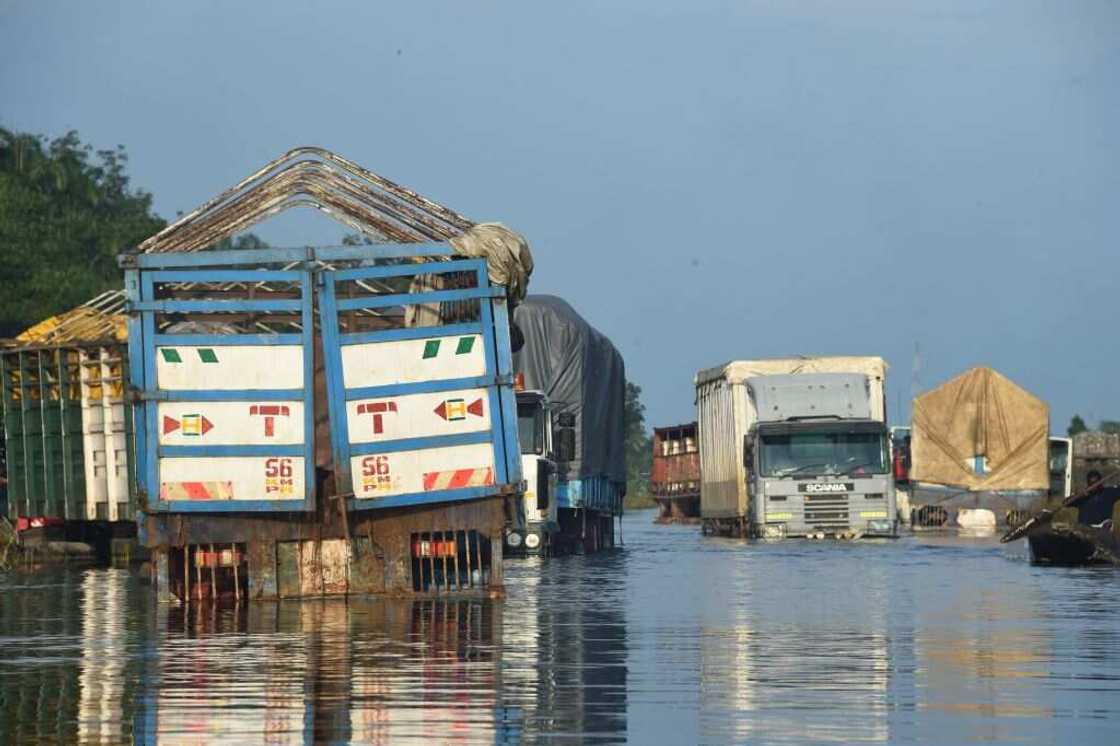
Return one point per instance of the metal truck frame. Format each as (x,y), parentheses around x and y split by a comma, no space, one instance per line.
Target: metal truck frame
(249,515)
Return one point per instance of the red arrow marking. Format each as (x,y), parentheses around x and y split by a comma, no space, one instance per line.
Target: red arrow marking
(170,425)
(475,407)
(441,410)
(207,425)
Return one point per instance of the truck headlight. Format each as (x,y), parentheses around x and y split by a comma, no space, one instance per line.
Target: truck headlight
(513,539)
(774,531)
(532,541)
(880,527)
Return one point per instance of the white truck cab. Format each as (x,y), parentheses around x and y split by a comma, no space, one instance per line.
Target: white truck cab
(532,530)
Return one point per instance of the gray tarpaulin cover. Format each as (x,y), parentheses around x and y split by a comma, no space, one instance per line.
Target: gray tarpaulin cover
(582,373)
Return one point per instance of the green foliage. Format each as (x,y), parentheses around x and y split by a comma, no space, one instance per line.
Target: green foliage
(66,212)
(1076,425)
(639,445)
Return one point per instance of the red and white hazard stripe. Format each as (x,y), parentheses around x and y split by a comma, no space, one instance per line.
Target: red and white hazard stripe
(458,478)
(196,491)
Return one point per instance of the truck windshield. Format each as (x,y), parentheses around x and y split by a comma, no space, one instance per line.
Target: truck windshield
(823,454)
(530,428)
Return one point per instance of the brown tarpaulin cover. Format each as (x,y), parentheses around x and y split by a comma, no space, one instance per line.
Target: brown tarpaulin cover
(981,413)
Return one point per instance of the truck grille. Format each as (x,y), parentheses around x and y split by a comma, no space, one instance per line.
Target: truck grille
(827,511)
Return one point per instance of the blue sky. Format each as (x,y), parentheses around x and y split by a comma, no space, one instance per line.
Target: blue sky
(703,181)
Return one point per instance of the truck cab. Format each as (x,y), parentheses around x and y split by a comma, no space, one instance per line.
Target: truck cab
(534,527)
(818,464)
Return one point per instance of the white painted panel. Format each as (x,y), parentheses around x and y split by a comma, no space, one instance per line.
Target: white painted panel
(230,423)
(418,415)
(411,471)
(116,439)
(413,360)
(232,478)
(196,368)
(93,432)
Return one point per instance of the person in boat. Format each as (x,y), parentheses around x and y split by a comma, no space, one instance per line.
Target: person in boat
(1097,510)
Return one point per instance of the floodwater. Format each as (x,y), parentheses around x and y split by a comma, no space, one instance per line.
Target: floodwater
(676,638)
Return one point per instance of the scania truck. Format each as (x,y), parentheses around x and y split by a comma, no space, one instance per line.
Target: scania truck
(796,447)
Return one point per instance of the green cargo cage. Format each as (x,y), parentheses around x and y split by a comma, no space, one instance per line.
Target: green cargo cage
(67,431)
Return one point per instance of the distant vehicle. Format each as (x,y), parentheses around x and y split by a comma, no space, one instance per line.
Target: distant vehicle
(579,377)
(1061,467)
(1092,454)
(980,452)
(547,440)
(795,447)
(675,480)
(900,466)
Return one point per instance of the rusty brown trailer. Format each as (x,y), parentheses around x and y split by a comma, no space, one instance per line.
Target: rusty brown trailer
(675,478)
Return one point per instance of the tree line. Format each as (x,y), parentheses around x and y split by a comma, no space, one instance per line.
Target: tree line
(1077,425)
(66,212)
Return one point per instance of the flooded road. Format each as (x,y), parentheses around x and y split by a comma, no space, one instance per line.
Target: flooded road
(676,638)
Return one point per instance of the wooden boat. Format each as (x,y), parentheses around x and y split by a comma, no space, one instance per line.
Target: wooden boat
(1083,529)
(1075,544)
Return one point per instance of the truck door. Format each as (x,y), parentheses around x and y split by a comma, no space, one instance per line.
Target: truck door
(421,401)
(228,415)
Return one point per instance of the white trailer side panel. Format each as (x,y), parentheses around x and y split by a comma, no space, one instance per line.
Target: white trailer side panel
(723,490)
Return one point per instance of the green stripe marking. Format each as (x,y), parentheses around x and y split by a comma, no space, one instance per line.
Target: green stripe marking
(466,344)
(207,355)
(431,348)
(170,355)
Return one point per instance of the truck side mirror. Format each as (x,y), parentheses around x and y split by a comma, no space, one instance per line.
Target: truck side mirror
(748,452)
(565,444)
(566,419)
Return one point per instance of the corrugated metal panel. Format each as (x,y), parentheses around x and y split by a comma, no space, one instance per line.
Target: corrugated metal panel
(106,434)
(722,483)
(738,371)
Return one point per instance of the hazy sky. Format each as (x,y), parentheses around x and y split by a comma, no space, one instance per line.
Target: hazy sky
(703,181)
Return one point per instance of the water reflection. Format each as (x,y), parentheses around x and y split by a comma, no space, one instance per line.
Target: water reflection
(566,648)
(363,670)
(91,658)
(101,681)
(778,672)
(677,639)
